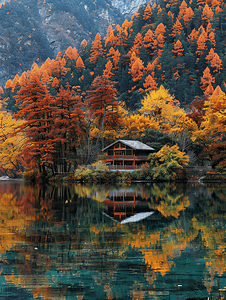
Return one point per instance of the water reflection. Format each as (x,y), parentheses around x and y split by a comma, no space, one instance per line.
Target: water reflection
(82,242)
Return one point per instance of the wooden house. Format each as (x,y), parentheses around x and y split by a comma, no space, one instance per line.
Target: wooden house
(126,154)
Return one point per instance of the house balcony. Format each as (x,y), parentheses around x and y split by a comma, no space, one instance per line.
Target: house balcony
(126,157)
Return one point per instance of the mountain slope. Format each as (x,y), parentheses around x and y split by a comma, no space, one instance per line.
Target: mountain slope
(31,31)
(176,44)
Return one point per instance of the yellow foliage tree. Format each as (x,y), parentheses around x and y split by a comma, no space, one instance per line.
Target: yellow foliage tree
(10,146)
(165,163)
(166,112)
(135,124)
(213,125)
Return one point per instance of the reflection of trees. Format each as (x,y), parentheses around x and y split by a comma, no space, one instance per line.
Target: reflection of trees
(66,225)
(101,192)
(210,225)
(92,191)
(201,227)
(37,223)
(13,217)
(167,199)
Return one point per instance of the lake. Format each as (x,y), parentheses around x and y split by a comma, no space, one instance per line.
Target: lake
(139,241)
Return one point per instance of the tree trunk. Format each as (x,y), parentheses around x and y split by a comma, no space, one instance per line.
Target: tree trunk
(103,130)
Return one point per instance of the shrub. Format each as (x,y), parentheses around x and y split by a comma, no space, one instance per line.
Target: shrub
(165,164)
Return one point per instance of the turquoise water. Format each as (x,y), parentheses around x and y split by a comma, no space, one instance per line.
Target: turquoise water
(156,241)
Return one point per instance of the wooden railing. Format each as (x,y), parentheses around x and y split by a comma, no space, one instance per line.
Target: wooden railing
(129,157)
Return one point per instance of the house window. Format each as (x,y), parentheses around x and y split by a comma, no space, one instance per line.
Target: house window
(117,145)
(110,152)
(128,152)
(119,152)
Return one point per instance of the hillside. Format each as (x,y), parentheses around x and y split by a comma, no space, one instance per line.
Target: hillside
(159,78)
(178,45)
(31,31)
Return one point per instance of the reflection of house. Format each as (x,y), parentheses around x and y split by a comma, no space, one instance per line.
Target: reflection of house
(126,206)
(126,154)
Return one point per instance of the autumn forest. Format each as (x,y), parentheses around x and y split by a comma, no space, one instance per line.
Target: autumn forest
(158,78)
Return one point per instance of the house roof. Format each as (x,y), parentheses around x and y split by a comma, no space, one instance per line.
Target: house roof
(133,144)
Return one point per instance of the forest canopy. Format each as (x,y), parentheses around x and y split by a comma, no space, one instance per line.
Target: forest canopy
(163,70)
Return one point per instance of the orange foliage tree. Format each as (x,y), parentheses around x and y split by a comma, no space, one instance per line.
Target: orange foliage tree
(150,42)
(136,69)
(107,71)
(71,53)
(96,49)
(188,16)
(207,13)
(201,42)
(150,83)
(178,49)
(206,79)
(138,42)
(176,28)
(147,13)
(182,9)
(79,63)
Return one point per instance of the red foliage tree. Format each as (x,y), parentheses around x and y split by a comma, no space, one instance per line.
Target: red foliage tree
(36,109)
(102,104)
(57,66)
(197,112)
(114,56)
(217,153)
(69,123)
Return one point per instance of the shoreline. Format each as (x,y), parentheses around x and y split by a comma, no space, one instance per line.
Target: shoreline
(188,175)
